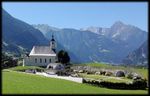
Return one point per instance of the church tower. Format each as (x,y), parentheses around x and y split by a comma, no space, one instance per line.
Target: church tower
(53,44)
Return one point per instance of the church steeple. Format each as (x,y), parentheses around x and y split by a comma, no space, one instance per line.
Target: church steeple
(52,38)
(53,44)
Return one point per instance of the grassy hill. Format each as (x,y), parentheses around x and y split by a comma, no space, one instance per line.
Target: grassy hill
(23,68)
(22,83)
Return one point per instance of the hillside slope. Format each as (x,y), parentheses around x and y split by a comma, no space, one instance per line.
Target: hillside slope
(17,34)
(138,56)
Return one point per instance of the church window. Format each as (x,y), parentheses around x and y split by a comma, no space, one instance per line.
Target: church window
(40,60)
(49,60)
(45,60)
(35,60)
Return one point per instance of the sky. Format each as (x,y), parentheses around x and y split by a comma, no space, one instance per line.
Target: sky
(80,14)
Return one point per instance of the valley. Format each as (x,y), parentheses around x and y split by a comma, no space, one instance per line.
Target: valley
(34,84)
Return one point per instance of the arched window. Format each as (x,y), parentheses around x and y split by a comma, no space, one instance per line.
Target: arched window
(45,60)
(35,60)
(40,60)
(49,60)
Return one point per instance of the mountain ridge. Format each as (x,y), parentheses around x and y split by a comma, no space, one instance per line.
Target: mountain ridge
(138,56)
(18,33)
(121,44)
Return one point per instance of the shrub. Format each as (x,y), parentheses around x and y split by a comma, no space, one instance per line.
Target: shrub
(102,72)
(138,84)
(108,73)
(129,76)
(89,72)
(8,61)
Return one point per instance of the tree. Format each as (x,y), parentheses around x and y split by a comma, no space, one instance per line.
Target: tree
(7,61)
(63,57)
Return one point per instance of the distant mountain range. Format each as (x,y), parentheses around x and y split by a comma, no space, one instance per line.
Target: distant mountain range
(96,43)
(93,44)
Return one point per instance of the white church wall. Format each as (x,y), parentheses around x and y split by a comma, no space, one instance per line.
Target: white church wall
(35,60)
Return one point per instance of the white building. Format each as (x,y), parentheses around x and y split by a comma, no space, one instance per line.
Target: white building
(41,55)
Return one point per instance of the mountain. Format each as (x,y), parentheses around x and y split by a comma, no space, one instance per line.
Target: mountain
(120,32)
(138,56)
(93,44)
(96,43)
(44,28)
(97,30)
(18,35)
(82,46)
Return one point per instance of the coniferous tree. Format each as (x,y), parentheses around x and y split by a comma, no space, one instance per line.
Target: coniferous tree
(63,57)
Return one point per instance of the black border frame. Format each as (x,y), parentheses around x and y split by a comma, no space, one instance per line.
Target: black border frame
(73,1)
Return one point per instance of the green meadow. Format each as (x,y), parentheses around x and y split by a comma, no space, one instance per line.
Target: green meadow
(21,83)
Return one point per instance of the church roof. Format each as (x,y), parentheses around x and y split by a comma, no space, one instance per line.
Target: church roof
(42,51)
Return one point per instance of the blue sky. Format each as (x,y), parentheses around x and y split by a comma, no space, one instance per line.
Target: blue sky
(80,14)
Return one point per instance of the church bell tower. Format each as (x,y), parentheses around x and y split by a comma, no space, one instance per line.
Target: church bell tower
(53,44)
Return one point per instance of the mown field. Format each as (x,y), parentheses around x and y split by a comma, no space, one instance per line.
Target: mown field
(22,83)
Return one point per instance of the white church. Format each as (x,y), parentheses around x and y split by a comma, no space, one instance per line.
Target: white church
(41,55)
